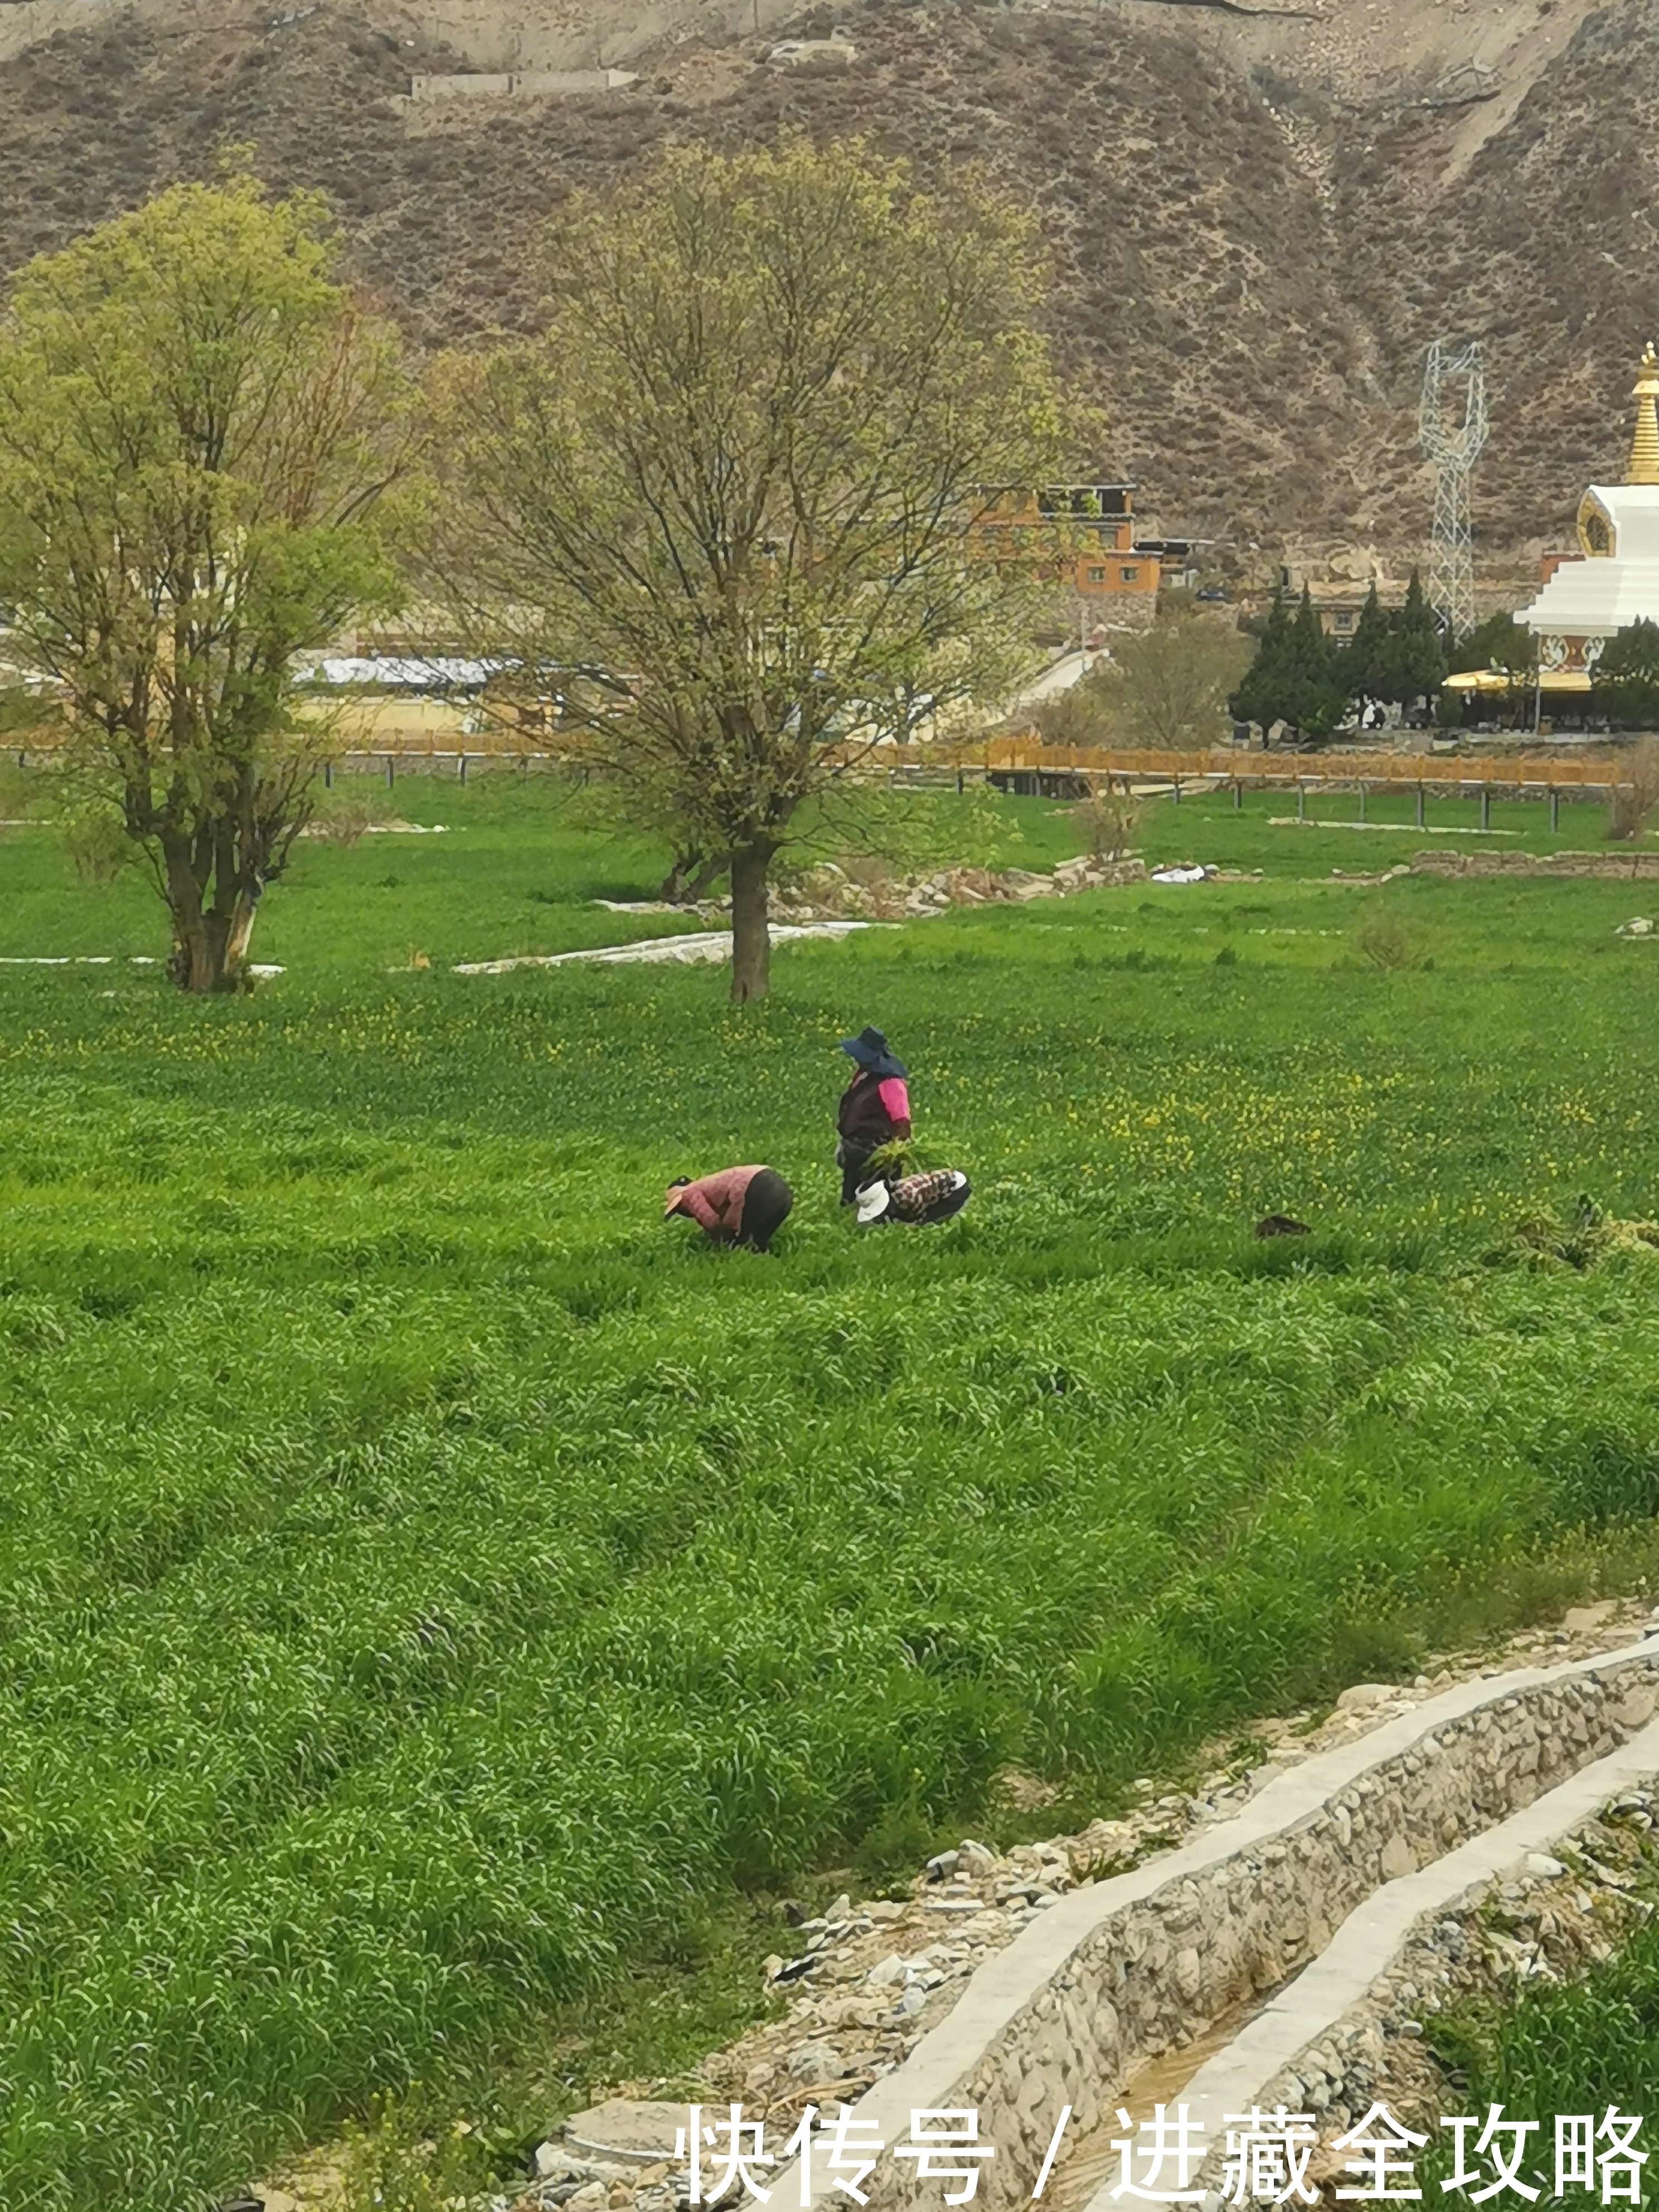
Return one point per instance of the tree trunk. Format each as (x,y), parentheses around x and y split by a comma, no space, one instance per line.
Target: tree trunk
(209,948)
(752,942)
(201,956)
(241,930)
(674,883)
(690,877)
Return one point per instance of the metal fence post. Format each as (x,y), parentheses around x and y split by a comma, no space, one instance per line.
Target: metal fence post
(1420,807)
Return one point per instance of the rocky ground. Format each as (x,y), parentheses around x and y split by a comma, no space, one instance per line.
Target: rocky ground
(830,892)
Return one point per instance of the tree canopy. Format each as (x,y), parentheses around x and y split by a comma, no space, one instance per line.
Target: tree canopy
(196,430)
(1627,675)
(1166,687)
(1302,678)
(1295,676)
(1501,643)
(1369,661)
(724,500)
(1416,661)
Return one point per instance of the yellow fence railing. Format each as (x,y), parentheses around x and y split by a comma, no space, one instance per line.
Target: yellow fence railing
(1506,771)
(444,737)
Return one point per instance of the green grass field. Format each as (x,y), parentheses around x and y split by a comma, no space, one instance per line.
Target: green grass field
(428,1584)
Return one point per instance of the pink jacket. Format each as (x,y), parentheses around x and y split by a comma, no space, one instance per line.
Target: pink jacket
(714,1202)
(895,1095)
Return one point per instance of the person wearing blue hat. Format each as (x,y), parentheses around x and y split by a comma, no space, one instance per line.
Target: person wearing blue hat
(874,1110)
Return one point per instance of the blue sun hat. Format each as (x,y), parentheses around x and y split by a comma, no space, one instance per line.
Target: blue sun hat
(870,1049)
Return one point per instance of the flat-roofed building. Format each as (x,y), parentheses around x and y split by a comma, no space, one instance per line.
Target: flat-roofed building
(1083,535)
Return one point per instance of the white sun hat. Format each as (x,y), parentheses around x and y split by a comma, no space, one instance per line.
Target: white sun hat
(872,1202)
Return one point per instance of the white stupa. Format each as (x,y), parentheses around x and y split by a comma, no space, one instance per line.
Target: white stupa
(1615,580)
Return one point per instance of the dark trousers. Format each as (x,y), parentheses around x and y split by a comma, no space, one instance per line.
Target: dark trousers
(855,1169)
(766,1206)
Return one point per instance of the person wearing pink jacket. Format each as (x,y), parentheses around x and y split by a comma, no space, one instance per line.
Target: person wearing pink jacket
(738,1206)
(874,1108)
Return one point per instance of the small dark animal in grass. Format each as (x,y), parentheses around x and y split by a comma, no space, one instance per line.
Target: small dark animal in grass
(1281,1224)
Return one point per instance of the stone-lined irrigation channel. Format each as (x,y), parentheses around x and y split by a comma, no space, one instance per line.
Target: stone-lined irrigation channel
(1283,1953)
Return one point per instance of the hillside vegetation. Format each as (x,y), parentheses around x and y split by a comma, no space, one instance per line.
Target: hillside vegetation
(1259,225)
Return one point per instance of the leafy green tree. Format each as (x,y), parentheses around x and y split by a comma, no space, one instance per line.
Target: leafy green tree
(198,430)
(1627,676)
(733,483)
(1504,647)
(1501,643)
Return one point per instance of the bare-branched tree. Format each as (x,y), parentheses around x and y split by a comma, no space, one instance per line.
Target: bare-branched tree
(725,503)
(1165,687)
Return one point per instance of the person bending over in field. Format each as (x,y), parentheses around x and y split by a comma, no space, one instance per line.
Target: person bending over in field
(739,1205)
(874,1110)
(917,1199)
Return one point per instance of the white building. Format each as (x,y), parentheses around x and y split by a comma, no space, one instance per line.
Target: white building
(1612,580)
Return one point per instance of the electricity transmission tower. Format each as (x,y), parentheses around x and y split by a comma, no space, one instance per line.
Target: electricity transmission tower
(1454,448)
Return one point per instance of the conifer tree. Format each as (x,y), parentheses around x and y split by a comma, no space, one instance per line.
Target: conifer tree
(1260,695)
(1365,664)
(1294,677)
(1417,659)
(1319,688)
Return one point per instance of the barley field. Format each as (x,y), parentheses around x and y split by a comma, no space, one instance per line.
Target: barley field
(428,1583)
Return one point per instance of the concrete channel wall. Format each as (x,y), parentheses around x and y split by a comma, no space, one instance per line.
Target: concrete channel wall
(1319,2045)
(1120,1971)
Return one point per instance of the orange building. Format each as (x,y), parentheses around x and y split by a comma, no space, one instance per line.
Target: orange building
(1083,535)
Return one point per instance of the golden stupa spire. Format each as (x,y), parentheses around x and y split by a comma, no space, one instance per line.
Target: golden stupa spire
(1645,446)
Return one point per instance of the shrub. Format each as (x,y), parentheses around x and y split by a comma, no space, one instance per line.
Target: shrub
(97,845)
(1634,800)
(1108,820)
(397,2160)
(1386,942)
(348,818)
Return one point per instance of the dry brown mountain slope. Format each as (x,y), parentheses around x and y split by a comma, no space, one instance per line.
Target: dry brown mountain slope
(1258,228)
